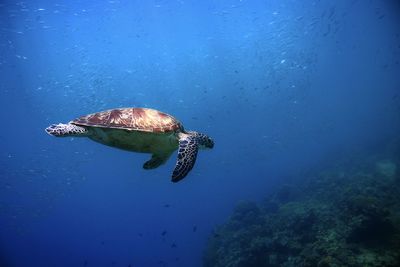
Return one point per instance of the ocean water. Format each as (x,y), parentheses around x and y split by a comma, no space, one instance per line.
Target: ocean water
(281,86)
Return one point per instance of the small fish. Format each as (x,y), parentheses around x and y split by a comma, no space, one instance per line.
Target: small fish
(194,228)
(216,235)
(162,263)
(173,245)
(164,233)
(331,12)
(167,206)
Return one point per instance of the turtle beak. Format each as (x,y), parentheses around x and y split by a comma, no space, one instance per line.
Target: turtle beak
(210,143)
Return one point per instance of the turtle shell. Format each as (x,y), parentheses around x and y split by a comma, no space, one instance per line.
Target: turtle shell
(132,119)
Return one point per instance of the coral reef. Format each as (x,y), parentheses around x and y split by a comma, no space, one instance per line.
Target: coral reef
(348,215)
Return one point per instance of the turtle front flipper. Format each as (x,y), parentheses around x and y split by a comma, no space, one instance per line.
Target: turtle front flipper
(155,161)
(63,130)
(187,153)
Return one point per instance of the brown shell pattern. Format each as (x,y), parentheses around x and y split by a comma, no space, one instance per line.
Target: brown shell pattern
(139,119)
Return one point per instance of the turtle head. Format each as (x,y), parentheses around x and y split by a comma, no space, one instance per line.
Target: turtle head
(203,140)
(207,141)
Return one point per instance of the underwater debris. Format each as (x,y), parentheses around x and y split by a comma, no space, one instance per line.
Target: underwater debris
(345,216)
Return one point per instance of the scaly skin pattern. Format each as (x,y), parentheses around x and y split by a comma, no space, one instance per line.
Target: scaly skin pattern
(63,130)
(189,144)
(187,154)
(132,119)
(203,140)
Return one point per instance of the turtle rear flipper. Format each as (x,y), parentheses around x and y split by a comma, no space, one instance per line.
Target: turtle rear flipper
(187,154)
(155,161)
(62,130)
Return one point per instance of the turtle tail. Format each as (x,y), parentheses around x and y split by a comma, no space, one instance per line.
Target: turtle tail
(63,130)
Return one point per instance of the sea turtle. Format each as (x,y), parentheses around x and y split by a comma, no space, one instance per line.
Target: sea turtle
(140,130)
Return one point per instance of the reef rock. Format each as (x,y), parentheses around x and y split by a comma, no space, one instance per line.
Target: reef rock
(344,216)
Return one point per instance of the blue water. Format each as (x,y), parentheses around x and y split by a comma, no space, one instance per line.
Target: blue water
(279,85)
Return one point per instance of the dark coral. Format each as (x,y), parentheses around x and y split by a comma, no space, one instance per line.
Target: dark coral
(348,215)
